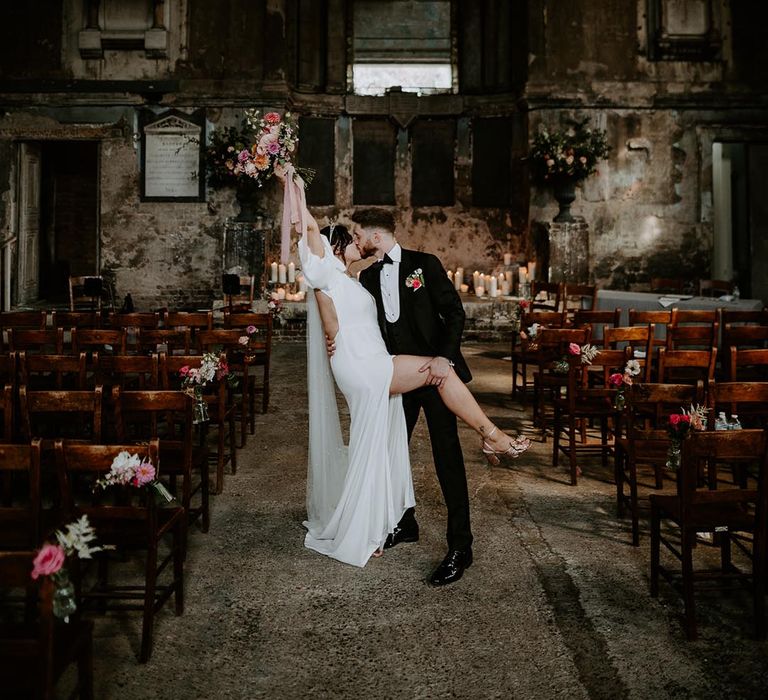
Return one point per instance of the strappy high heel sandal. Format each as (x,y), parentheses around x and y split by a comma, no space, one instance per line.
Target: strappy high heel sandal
(515,449)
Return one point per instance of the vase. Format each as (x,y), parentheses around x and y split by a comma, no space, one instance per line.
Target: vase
(673,455)
(249,198)
(565,193)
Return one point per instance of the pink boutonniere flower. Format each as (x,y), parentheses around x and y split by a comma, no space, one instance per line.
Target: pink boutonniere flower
(415,280)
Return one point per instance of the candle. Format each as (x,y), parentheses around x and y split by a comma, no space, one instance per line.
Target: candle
(492,289)
(508,277)
(507,259)
(532,271)
(480,290)
(475,279)
(281,273)
(281,290)
(464,288)
(302,284)
(291,272)
(450,275)
(506,288)
(458,278)
(523,275)
(273,272)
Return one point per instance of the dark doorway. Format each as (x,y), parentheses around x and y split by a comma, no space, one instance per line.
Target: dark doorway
(68,215)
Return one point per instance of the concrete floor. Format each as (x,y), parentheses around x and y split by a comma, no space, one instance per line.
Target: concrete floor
(555,606)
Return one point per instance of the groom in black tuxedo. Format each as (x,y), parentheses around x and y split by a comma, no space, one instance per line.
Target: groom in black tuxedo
(420,313)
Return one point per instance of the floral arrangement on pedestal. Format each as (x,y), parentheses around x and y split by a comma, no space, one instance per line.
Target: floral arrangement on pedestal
(75,540)
(563,158)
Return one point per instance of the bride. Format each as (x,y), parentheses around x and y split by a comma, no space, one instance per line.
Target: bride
(356,495)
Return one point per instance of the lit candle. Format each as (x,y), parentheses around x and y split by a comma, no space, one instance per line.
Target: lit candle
(281,273)
(458,278)
(281,291)
(464,288)
(522,274)
(507,259)
(302,283)
(475,279)
(273,272)
(479,291)
(532,271)
(492,289)
(450,275)
(291,272)
(300,296)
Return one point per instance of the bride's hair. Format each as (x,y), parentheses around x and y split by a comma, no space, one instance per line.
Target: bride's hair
(338,236)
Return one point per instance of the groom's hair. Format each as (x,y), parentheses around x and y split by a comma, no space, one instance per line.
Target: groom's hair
(375,218)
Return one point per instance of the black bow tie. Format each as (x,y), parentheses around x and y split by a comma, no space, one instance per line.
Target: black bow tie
(386,260)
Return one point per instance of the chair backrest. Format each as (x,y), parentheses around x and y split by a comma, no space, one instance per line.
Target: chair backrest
(76,319)
(551,293)
(711,288)
(8,368)
(560,338)
(51,406)
(700,316)
(20,498)
(163,414)
(102,340)
(53,371)
(733,316)
(79,466)
(7,422)
(48,341)
(686,365)
(169,340)
(667,284)
(246,293)
(86,292)
(137,319)
(654,402)
(261,342)
(643,317)
(579,296)
(170,366)
(548,319)
(748,400)
(639,338)
(583,317)
(745,336)
(135,371)
(202,320)
(681,336)
(226,339)
(32,320)
(753,363)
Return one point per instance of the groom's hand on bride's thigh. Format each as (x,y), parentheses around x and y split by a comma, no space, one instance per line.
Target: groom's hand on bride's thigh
(438,368)
(330,346)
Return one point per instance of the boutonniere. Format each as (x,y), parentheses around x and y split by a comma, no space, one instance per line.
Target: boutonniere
(415,280)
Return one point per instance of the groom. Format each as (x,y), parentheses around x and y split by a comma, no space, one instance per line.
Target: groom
(420,313)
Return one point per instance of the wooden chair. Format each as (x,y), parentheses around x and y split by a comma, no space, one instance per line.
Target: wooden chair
(759,318)
(134,371)
(521,349)
(745,337)
(640,341)
(103,341)
(686,366)
(75,319)
(747,400)
(87,292)
(227,340)
(167,416)
(128,519)
(167,340)
(597,320)
(259,350)
(667,284)
(193,320)
(30,320)
(578,297)
(7,401)
(693,329)
(582,402)
(50,342)
(221,409)
(552,296)
(244,299)
(20,499)
(714,288)
(37,650)
(53,371)
(645,440)
(58,414)
(748,365)
(725,511)
(659,319)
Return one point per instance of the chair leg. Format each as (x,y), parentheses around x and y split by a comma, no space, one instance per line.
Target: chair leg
(178,564)
(252,406)
(232,441)
(688,601)
(604,442)
(265,398)
(150,584)
(85,669)
(725,551)
(244,413)
(205,496)
(634,505)
(618,477)
(556,428)
(758,589)
(572,450)
(655,549)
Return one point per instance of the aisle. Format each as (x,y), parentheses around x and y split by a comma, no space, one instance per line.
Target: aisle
(556,604)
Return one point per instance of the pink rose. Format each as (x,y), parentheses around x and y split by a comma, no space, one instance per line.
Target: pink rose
(273,148)
(184,371)
(48,561)
(272,118)
(574,349)
(416,284)
(616,379)
(243,156)
(251,330)
(685,418)
(674,419)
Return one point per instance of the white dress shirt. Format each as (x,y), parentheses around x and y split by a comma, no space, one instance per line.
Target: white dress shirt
(390,288)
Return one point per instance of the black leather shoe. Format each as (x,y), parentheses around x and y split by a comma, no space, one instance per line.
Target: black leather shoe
(400,534)
(452,567)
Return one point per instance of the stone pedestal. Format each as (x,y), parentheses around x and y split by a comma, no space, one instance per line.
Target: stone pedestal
(568,252)
(245,246)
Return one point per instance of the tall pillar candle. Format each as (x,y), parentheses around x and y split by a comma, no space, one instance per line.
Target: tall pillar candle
(281,277)
(291,273)
(475,279)
(532,271)
(522,275)
(458,278)
(507,259)
(273,272)
(492,288)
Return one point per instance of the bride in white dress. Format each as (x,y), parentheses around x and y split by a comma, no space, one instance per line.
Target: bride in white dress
(356,495)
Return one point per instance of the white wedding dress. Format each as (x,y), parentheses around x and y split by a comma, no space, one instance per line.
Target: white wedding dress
(356,494)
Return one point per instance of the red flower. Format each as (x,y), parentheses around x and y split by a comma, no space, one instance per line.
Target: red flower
(272,118)
(574,349)
(616,379)
(685,418)
(416,284)
(674,419)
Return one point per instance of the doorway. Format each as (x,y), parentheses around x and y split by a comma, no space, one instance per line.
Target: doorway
(741,216)
(58,218)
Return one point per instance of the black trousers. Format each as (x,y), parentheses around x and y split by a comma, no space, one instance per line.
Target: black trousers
(449,461)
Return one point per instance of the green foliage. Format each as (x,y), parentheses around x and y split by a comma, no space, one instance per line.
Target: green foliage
(567,154)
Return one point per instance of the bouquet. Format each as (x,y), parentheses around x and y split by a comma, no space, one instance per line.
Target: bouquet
(517,313)
(131,470)
(246,341)
(195,379)
(679,427)
(622,380)
(77,539)
(275,306)
(570,154)
(586,352)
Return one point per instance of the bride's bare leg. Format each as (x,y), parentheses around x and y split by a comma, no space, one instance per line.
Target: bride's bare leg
(455,395)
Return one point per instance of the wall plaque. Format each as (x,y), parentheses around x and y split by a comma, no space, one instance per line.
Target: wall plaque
(172,146)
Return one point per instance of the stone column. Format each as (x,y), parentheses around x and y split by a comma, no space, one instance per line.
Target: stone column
(568,251)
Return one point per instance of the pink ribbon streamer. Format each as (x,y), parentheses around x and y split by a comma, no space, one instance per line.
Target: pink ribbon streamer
(294,204)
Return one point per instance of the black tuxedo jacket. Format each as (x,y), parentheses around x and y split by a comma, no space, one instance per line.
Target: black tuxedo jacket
(431,319)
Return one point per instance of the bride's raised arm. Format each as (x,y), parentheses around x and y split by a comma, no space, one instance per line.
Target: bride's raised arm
(311,234)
